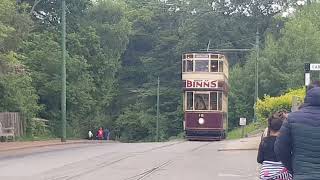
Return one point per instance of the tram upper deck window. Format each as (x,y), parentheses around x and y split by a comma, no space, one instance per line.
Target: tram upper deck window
(189,101)
(189,56)
(189,65)
(201,66)
(201,101)
(214,66)
(220,66)
(184,66)
(214,56)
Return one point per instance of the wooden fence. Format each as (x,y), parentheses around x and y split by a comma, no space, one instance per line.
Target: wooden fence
(13,119)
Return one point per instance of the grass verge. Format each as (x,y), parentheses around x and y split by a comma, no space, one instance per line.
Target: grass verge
(35,138)
(249,129)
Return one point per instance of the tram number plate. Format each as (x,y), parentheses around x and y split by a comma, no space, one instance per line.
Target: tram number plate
(243,121)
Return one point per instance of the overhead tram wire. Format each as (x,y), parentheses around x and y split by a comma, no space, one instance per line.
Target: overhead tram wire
(230,49)
(256,67)
(239,40)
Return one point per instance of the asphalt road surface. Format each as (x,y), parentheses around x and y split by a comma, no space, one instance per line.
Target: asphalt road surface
(176,160)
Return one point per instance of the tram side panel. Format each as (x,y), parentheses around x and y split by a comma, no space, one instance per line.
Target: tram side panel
(207,126)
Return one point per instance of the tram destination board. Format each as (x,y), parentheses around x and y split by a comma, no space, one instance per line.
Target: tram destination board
(201,84)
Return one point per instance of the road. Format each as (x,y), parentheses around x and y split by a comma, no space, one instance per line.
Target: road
(174,160)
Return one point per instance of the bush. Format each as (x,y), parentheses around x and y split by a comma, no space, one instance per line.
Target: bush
(269,105)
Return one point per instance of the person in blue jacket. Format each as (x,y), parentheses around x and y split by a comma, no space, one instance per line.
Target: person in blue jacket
(298,144)
(106,134)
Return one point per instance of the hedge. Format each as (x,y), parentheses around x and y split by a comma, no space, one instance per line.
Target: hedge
(268,105)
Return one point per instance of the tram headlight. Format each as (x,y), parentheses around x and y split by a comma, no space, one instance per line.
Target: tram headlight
(201,121)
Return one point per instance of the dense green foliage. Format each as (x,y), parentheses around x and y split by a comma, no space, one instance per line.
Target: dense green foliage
(269,105)
(117,49)
(281,64)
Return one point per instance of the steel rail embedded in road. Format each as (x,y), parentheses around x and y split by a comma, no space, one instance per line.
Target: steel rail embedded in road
(164,164)
(101,165)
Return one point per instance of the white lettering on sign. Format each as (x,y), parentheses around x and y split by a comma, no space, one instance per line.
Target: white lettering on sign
(201,84)
(243,121)
(315,67)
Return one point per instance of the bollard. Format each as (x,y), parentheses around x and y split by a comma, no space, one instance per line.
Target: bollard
(242,131)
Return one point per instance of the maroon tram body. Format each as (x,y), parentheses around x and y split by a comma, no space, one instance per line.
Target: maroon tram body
(205,94)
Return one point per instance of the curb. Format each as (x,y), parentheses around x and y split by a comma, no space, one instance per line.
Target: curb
(239,149)
(42,145)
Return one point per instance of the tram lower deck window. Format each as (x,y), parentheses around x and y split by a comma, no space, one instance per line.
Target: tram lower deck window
(203,100)
(213,101)
(220,101)
(189,100)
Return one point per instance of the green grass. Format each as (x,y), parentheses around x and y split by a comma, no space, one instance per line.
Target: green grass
(251,128)
(35,138)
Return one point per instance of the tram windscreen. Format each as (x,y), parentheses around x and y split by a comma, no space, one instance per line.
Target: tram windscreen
(201,101)
(202,66)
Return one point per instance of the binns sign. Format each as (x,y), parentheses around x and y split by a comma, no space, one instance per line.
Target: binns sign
(201,84)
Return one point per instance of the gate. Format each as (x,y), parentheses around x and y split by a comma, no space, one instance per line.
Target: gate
(14,120)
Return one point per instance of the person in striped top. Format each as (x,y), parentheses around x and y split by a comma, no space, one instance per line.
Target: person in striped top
(272,168)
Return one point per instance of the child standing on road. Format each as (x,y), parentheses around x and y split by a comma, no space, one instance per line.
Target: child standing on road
(272,168)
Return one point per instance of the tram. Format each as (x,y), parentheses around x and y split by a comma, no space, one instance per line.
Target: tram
(205,95)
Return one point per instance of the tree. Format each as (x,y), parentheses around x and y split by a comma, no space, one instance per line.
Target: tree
(282,59)
(94,46)
(17,92)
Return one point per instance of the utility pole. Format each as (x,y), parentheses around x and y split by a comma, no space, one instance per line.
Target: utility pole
(158,102)
(257,76)
(63,90)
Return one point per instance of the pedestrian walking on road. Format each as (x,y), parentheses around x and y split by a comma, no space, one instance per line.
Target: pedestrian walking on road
(100,134)
(90,135)
(298,145)
(272,168)
(106,134)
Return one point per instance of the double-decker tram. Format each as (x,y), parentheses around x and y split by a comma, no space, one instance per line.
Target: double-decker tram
(205,94)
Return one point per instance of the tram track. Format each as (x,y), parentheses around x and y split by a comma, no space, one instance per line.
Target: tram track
(98,166)
(147,173)
(154,169)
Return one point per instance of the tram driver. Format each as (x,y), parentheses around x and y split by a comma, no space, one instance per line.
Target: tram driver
(201,103)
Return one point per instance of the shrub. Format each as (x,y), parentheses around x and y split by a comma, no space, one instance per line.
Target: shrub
(268,105)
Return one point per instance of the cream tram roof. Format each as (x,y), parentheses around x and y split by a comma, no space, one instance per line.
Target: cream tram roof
(203,55)
(214,66)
